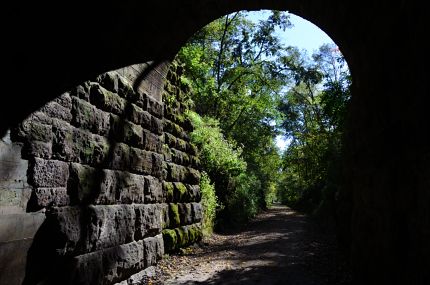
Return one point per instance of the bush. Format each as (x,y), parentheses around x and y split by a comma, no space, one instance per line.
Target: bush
(210,204)
(216,153)
(243,203)
(232,186)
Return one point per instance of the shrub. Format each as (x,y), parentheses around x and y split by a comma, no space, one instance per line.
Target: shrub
(210,204)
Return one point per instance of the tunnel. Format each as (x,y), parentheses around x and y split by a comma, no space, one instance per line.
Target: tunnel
(385,206)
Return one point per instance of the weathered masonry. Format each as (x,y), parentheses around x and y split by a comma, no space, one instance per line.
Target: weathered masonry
(92,182)
(384,212)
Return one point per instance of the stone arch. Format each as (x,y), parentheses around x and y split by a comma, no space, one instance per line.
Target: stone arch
(387,159)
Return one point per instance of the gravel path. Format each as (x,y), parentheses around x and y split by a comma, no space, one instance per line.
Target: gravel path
(280,246)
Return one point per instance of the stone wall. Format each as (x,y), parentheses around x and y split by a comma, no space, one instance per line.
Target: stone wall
(180,174)
(95,184)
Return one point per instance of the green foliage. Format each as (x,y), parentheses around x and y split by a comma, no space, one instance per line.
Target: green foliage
(315,109)
(243,203)
(234,67)
(217,154)
(233,186)
(210,204)
(250,88)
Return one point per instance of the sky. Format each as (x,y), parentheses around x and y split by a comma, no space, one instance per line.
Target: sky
(303,35)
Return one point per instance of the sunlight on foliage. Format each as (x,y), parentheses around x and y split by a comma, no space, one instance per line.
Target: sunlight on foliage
(209,203)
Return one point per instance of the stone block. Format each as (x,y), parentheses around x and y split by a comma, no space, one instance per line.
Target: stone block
(110,225)
(32,130)
(126,90)
(197,212)
(185,213)
(180,192)
(174,129)
(156,125)
(157,165)
(127,132)
(93,149)
(170,240)
(40,117)
(153,190)
(121,187)
(168,190)
(193,193)
(66,223)
(84,183)
(153,249)
(195,162)
(64,100)
(75,145)
(82,91)
(120,159)
(167,153)
(191,149)
(182,235)
(176,172)
(48,173)
(148,220)
(170,140)
(174,218)
(138,116)
(152,142)
(57,111)
(107,100)
(142,277)
(37,149)
(164,173)
(47,197)
(107,266)
(180,157)
(63,144)
(181,145)
(159,246)
(88,117)
(154,107)
(194,233)
(150,251)
(141,161)
(122,261)
(193,176)
(109,80)
(165,222)
(86,269)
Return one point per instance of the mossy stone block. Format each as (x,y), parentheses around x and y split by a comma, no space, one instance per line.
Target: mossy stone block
(170,240)
(168,190)
(180,193)
(174,217)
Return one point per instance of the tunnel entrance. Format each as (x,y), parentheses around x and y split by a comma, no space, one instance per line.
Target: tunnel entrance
(386,177)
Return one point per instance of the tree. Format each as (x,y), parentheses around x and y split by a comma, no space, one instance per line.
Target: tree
(237,76)
(315,109)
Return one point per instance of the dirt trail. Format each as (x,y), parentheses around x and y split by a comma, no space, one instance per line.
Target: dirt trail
(279,246)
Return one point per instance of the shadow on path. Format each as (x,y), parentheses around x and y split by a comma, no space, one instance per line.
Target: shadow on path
(279,246)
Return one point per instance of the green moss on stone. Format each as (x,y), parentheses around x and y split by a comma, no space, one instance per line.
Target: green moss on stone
(170,240)
(174,218)
(194,233)
(183,239)
(168,191)
(182,145)
(180,192)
